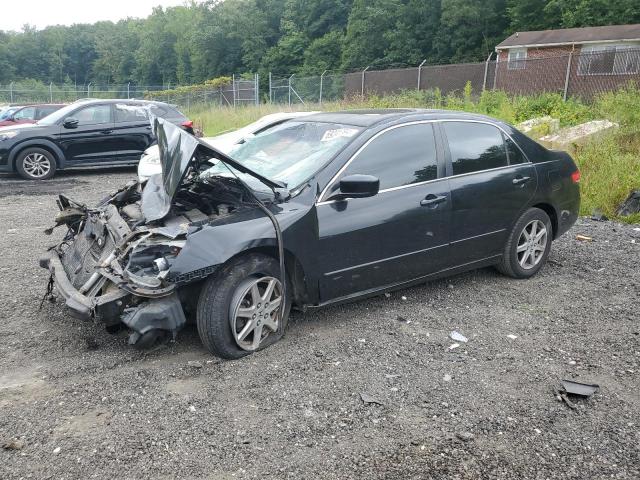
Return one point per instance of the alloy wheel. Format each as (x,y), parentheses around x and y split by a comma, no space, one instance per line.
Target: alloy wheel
(36,165)
(532,244)
(255,311)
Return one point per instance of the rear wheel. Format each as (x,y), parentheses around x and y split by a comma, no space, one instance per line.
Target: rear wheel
(528,245)
(240,308)
(35,164)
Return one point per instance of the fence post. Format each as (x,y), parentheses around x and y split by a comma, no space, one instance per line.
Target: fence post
(11,91)
(566,78)
(321,80)
(290,89)
(128,90)
(486,71)
(495,74)
(50,92)
(270,90)
(89,90)
(257,89)
(420,72)
(362,86)
(233,88)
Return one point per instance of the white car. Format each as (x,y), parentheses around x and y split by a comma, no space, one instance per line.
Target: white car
(150,160)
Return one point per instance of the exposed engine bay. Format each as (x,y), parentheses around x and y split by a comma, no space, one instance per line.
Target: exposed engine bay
(120,265)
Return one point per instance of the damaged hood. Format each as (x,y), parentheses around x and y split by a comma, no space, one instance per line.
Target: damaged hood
(178,152)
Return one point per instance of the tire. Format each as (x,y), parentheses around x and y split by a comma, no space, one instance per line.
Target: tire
(513,263)
(36,164)
(221,301)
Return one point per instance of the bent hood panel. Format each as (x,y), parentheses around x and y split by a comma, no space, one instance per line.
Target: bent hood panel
(178,150)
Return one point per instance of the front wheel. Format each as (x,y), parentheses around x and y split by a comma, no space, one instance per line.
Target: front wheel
(528,245)
(239,309)
(36,164)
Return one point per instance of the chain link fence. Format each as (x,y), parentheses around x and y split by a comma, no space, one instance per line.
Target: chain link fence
(575,74)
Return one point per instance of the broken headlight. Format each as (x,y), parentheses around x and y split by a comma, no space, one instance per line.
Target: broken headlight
(149,263)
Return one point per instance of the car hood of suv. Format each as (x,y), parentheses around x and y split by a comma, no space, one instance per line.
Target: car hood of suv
(178,151)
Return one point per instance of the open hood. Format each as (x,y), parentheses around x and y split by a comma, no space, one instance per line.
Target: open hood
(178,151)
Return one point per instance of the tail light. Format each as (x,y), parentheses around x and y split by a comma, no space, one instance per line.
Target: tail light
(575,176)
(187,124)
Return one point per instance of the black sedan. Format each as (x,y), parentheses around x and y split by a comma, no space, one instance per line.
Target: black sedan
(341,205)
(87,133)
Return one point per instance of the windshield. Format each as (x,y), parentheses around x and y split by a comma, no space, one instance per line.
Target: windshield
(58,115)
(290,152)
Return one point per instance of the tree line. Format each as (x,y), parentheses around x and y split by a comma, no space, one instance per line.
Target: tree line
(203,40)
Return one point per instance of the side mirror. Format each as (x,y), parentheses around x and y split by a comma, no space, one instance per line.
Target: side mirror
(357,186)
(70,122)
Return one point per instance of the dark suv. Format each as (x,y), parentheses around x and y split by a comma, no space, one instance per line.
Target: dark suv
(87,133)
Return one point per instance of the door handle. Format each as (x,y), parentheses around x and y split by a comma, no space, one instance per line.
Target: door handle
(106,131)
(520,180)
(432,200)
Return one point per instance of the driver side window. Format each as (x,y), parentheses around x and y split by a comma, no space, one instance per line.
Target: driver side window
(93,115)
(25,113)
(399,157)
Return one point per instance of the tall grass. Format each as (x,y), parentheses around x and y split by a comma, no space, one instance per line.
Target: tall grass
(610,166)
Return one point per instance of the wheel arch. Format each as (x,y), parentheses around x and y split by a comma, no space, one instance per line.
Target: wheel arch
(293,267)
(553,215)
(47,145)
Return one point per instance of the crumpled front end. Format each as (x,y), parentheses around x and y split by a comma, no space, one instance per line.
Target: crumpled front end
(110,268)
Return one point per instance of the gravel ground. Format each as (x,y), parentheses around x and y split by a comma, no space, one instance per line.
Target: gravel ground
(76,402)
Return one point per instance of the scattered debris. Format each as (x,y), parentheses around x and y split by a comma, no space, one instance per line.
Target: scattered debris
(13,445)
(92,343)
(465,436)
(584,238)
(366,398)
(387,295)
(403,297)
(540,126)
(194,364)
(402,319)
(572,362)
(56,450)
(598,216)
(391,375)
(447,378)
(512,337)
(454,346)
(578,388)
(458,337)
(637,229)
(631,205)
(570,404)
(192,409)
(569,139)
(537,430)
(12,230)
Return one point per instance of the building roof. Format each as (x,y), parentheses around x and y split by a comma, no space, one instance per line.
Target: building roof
(568,36)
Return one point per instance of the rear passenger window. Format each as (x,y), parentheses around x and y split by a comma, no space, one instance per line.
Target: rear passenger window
(514,153)
(131,113)
(475,146)
(401,156)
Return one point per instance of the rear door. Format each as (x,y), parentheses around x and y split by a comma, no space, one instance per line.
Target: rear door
(91,142)
(491,183)
(399,234)
(132,131)
(25,115)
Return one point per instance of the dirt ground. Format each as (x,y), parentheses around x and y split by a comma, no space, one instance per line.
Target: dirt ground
(76,402)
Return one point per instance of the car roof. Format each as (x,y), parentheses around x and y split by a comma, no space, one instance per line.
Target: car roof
(85,101)
(374,117)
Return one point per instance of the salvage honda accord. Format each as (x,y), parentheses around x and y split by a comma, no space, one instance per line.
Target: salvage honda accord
(314,211)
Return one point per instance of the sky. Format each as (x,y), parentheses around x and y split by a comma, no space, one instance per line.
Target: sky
(42,13)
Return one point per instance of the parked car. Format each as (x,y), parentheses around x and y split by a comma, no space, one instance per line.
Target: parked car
(150,160)
(28,114)
(342,205)
(87,133)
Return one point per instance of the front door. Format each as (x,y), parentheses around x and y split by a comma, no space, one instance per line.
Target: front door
(491,183)
(401,233)
(92,140)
